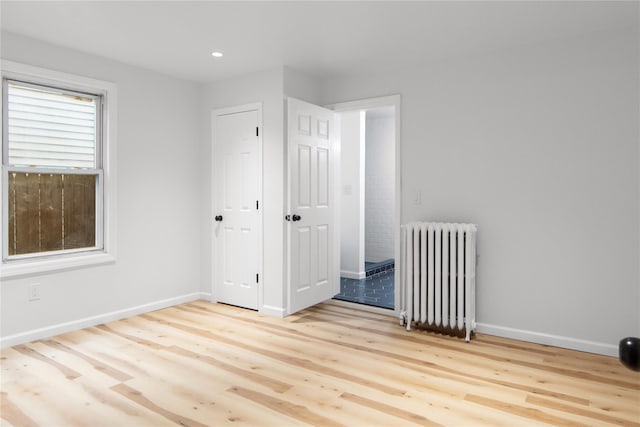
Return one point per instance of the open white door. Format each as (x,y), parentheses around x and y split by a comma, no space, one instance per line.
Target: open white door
(313,240)
(236,199)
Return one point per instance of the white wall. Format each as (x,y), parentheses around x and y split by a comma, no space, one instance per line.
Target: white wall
(539,146)
(267,88)
(352,200)
(301,86)
(380,187)
(159,186)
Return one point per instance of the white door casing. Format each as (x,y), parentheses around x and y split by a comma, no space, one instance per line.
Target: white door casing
(236,206)
(313,243)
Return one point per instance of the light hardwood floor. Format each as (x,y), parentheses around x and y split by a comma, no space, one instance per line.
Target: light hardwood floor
(203,364)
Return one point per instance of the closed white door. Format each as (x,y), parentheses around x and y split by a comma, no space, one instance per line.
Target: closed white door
(236,207)
(313,251)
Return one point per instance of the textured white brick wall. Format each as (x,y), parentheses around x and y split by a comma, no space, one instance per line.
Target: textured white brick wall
(379,188)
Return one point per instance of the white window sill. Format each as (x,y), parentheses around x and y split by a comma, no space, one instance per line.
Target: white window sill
(16,269)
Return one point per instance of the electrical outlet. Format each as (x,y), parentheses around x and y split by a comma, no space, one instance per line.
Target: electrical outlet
(34,292)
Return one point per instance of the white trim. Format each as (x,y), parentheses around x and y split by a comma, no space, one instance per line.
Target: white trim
(109,112)
(43,266)
(386,101)
(366,104)
(255,106)
(258,106)
(358,275)
(272,311)
(548,339)
(16,70)
(61,328)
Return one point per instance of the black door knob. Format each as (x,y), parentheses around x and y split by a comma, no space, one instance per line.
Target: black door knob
(296,217)
(218,218)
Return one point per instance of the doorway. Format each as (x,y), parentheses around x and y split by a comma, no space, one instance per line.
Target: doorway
(370,208)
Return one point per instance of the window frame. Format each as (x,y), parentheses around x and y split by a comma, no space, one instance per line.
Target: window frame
(104,250)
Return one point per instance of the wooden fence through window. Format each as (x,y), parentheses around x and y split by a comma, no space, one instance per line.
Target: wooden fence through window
(51,212)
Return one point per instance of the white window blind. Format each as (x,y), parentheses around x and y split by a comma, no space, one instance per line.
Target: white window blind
(49,128)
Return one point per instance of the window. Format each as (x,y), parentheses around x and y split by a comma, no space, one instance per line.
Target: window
(52,141)
(54,150)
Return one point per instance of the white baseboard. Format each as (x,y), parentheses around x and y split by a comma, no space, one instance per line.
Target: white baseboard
(61,328)
(353,274)
(501,331)
(272,311)
(548,339)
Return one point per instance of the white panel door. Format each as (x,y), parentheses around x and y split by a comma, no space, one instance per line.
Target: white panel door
(313,244)
(236,208)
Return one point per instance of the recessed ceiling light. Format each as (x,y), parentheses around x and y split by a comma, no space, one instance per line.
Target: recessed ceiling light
(216,54)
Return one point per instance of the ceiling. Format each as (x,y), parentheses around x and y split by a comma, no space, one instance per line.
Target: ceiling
(320,38)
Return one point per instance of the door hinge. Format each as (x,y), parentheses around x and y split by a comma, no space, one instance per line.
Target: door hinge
(257,276)
(257,131)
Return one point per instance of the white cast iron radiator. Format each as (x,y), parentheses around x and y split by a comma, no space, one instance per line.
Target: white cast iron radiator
(439,277)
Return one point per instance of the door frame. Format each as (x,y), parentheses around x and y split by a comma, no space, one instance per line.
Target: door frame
(365,104)
(255,106)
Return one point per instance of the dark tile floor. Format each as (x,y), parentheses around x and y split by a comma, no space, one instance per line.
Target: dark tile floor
(377,290)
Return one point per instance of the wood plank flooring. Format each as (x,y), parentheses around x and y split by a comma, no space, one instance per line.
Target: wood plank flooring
(203,364)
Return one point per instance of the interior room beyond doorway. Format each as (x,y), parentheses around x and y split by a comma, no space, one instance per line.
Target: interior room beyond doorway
(368,170)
